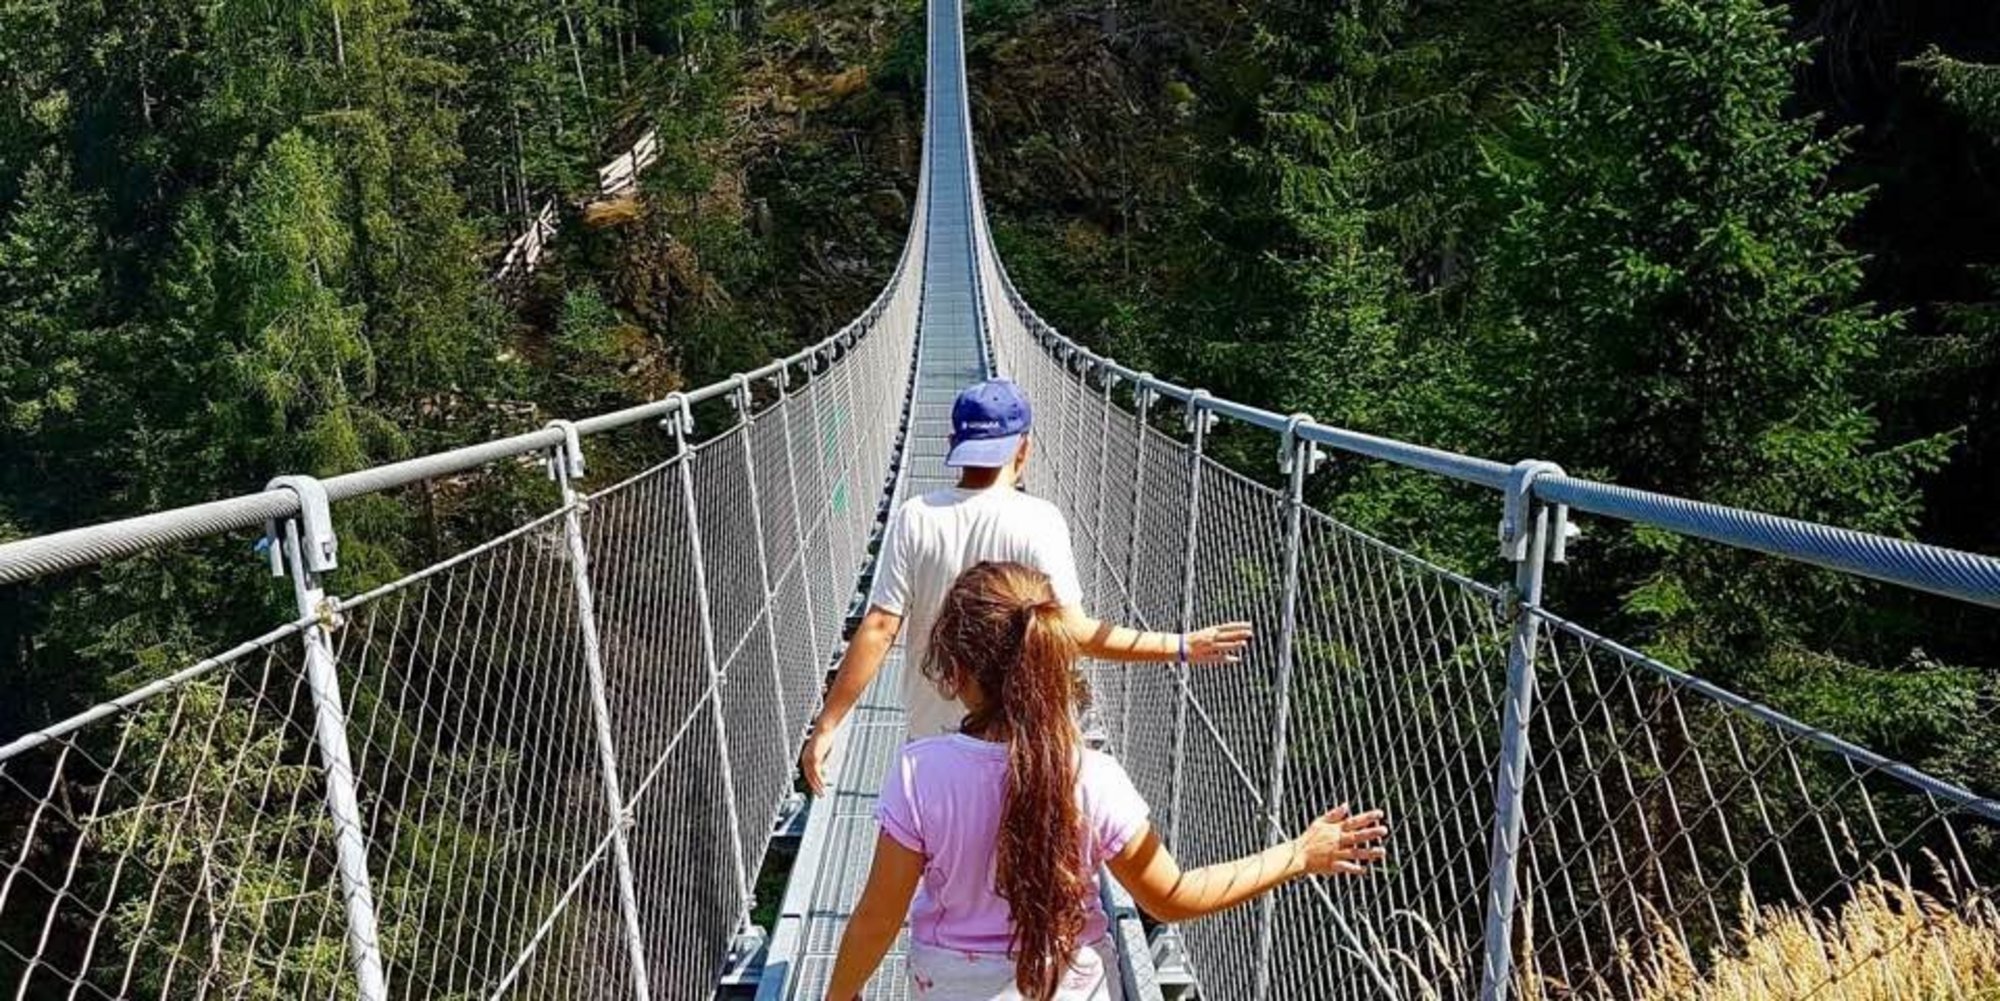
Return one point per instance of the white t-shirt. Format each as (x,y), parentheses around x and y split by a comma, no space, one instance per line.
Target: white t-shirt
(934,538)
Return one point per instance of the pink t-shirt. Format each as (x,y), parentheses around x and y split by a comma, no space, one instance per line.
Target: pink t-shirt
(942,799)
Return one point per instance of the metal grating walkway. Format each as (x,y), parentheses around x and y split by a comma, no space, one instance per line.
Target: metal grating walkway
(839,840)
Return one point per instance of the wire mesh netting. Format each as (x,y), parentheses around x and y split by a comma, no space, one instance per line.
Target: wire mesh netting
(1677,837)
(566,745)
(549,765)
(475,761)
(1669,822)
(175,844)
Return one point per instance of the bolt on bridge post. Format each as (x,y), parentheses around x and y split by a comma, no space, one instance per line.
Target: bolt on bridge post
(306,545)
(1298,459)
(1526,530)
(565,466)
(680,422)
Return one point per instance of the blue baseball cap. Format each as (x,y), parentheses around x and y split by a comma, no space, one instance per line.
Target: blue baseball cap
(988,421)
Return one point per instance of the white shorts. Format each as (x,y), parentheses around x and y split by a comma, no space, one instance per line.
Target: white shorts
(938,973)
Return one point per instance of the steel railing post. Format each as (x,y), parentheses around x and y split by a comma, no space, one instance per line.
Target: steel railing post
(1097,566)
(680,422)
(1143,405)
(1097,554)
(1525,532)
(306,546)
(857,532)
(1199,421)
(823,504)
(798,523)
(565,467)
(1297,458)
(745,420)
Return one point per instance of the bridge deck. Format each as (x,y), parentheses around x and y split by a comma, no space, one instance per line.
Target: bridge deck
(840,834)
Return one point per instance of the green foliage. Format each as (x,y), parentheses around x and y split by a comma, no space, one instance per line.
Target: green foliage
(233,766)
(245,239)
(1608,233)
(52,287)
(586,351)
(1972,89)
(1672,307)
(305,359)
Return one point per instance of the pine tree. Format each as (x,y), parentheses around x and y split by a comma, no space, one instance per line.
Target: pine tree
(304,361)
(1672,306)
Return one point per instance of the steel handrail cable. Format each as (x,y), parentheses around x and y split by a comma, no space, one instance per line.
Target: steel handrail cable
(41,555)
(1966,576)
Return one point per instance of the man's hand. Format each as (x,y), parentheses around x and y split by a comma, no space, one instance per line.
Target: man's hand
(1221,644)
(858,666)
(812,760)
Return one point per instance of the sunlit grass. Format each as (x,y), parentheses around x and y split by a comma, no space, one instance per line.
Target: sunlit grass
(1887,942)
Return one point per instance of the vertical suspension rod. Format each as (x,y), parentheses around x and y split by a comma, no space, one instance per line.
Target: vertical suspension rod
(1525,532)
(680,422)
(1297,456)
(307,546)
(565,465)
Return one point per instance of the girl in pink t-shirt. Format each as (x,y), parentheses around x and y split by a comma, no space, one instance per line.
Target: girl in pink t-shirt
(991,836)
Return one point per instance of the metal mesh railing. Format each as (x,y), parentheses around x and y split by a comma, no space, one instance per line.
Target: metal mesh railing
(177,842)
(1572,819)
(1668,821)
(547,766)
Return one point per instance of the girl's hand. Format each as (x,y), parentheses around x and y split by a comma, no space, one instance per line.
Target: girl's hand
(1220,644)
(1340,842)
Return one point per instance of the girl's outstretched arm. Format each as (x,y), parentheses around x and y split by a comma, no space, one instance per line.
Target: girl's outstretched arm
(885,901)
(1335,843)
(1218,644)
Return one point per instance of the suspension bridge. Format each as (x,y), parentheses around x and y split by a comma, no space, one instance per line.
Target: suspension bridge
(556,762)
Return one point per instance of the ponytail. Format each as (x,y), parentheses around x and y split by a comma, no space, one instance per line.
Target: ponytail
(1002,629)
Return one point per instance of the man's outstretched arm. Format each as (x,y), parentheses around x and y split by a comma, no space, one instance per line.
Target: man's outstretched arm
(1103,640)
(858,666)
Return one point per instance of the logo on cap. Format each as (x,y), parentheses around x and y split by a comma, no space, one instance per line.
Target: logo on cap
(987,422)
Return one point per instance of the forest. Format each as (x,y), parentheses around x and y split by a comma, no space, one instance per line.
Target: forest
(1724,249)
(1736,250)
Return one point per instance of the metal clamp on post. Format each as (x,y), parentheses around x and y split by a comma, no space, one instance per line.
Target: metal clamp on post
(1108,377)
(739,398)
(1199,417)
(1516,516)
(679,421)
(1288,446)
(319,548)
(566,459)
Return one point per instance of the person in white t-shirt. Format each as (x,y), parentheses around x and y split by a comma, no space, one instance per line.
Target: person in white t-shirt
(935,537)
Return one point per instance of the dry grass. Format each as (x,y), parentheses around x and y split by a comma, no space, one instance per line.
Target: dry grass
(1887,943)
(616,210)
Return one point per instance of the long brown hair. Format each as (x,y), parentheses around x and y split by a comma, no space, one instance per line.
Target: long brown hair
(1002,630)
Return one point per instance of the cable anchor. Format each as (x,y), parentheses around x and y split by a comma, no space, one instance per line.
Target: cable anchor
(1288,446)
(1518,512)
(319,547)
(565,459)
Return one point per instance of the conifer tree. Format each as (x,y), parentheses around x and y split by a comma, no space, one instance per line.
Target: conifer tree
(1672,307)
